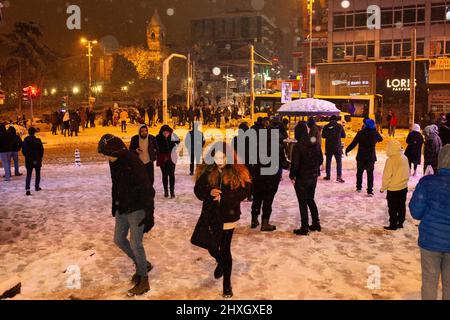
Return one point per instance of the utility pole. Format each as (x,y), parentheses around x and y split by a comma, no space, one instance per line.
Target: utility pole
(89,45)
(226,92)
(412,90)
(252,83)
(188,89)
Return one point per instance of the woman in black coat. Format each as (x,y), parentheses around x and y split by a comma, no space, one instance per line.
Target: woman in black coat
(222,186)
(414,149)
(167,141)
(307,158)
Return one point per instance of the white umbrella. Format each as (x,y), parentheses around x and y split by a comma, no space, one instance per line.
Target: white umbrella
(309,107)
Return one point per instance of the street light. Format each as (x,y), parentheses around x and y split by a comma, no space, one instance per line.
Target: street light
(89,44)
(310,11)
(76,90)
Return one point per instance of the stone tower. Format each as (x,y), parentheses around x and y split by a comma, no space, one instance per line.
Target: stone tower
(156,33)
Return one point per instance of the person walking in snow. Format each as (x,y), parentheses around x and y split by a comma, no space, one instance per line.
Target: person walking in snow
(167,141)
(430,204)
(265,186)
(307,158)
(433,146)
(194,142)
(414,149)
(132,206)
(16,146)
(395,181)
(123,120)
(146,147)
(333,133)
(366,141)
(33,150)
(5,151)
(221,186)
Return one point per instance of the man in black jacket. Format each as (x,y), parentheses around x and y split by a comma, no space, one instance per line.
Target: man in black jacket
(146,147)
(333,133)
(16,146)
(5,151)
(366,141)
(194,142)
(132,206)
(33,150)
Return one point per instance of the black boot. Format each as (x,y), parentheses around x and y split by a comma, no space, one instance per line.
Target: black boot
(166,194)
(135,277)
(255,222)
(218,273)
(266,227)
(302,232)
(390,228)
(315,227)
(140,288)
(400,226)
(172,194)
(227,292)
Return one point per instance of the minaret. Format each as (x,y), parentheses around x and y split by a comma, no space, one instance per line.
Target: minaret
(156,33)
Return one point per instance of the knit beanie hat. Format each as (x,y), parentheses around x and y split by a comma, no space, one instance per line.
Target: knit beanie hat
(370,124)
(444,158)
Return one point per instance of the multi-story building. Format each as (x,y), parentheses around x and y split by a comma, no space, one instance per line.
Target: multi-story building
(223,41)
(363,60)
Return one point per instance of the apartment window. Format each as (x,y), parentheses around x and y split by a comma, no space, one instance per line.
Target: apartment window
(386,18)
(360,20)
(406,50)
(349,21)
(245,27)
(397,16)
(437,48)
(420,15)
(361,49)
(339,22)
(409,16)
(420,50)
(371,49)
(397,49)
(438,13)
(319,54)
(349,51)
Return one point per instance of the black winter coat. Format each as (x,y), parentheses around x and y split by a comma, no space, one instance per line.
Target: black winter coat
(5,142)
(444,133)
(414,149)
(33,150)
(366,141)
(306,160)
(229,208)
(333,133)
(433,146)
(131,187)
(152,146)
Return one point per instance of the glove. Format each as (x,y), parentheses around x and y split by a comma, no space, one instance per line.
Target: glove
(148,222)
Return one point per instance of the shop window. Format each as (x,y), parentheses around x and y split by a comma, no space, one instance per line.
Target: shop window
(397,49)
(409,16)
(371,50)
(360,50)
(406,48)
(338,51)
(438,13)
(386,18)
(349,50)
(339,22)
(386,49)
(420,50)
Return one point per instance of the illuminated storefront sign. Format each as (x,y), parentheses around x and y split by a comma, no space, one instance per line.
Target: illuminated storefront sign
(399,84)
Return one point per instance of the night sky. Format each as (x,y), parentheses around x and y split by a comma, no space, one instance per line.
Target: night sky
(126,19)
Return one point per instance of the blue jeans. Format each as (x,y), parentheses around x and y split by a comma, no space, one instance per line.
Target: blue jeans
(133,248)
(6,162)
(338,156)
(435,264)
(15,157)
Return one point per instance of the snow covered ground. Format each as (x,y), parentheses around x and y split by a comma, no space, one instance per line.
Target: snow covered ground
(69,224)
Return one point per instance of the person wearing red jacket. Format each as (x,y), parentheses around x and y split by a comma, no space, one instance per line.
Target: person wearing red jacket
(392,124)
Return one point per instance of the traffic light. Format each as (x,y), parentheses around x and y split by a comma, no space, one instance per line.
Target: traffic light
(26,94)
(29,93)
(34,92)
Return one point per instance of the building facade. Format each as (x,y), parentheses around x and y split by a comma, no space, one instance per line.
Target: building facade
(223,41)
(369,60)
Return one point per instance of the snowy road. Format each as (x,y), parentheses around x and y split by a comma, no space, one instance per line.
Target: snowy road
(69,224)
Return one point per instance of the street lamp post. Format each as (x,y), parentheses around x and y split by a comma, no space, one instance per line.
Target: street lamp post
(310,11)
(166,70)
(89,45)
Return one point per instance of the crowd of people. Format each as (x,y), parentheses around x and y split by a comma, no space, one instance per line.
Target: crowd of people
(224,185)
(68,122)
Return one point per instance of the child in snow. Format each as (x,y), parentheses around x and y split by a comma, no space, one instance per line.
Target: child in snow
(395,181)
